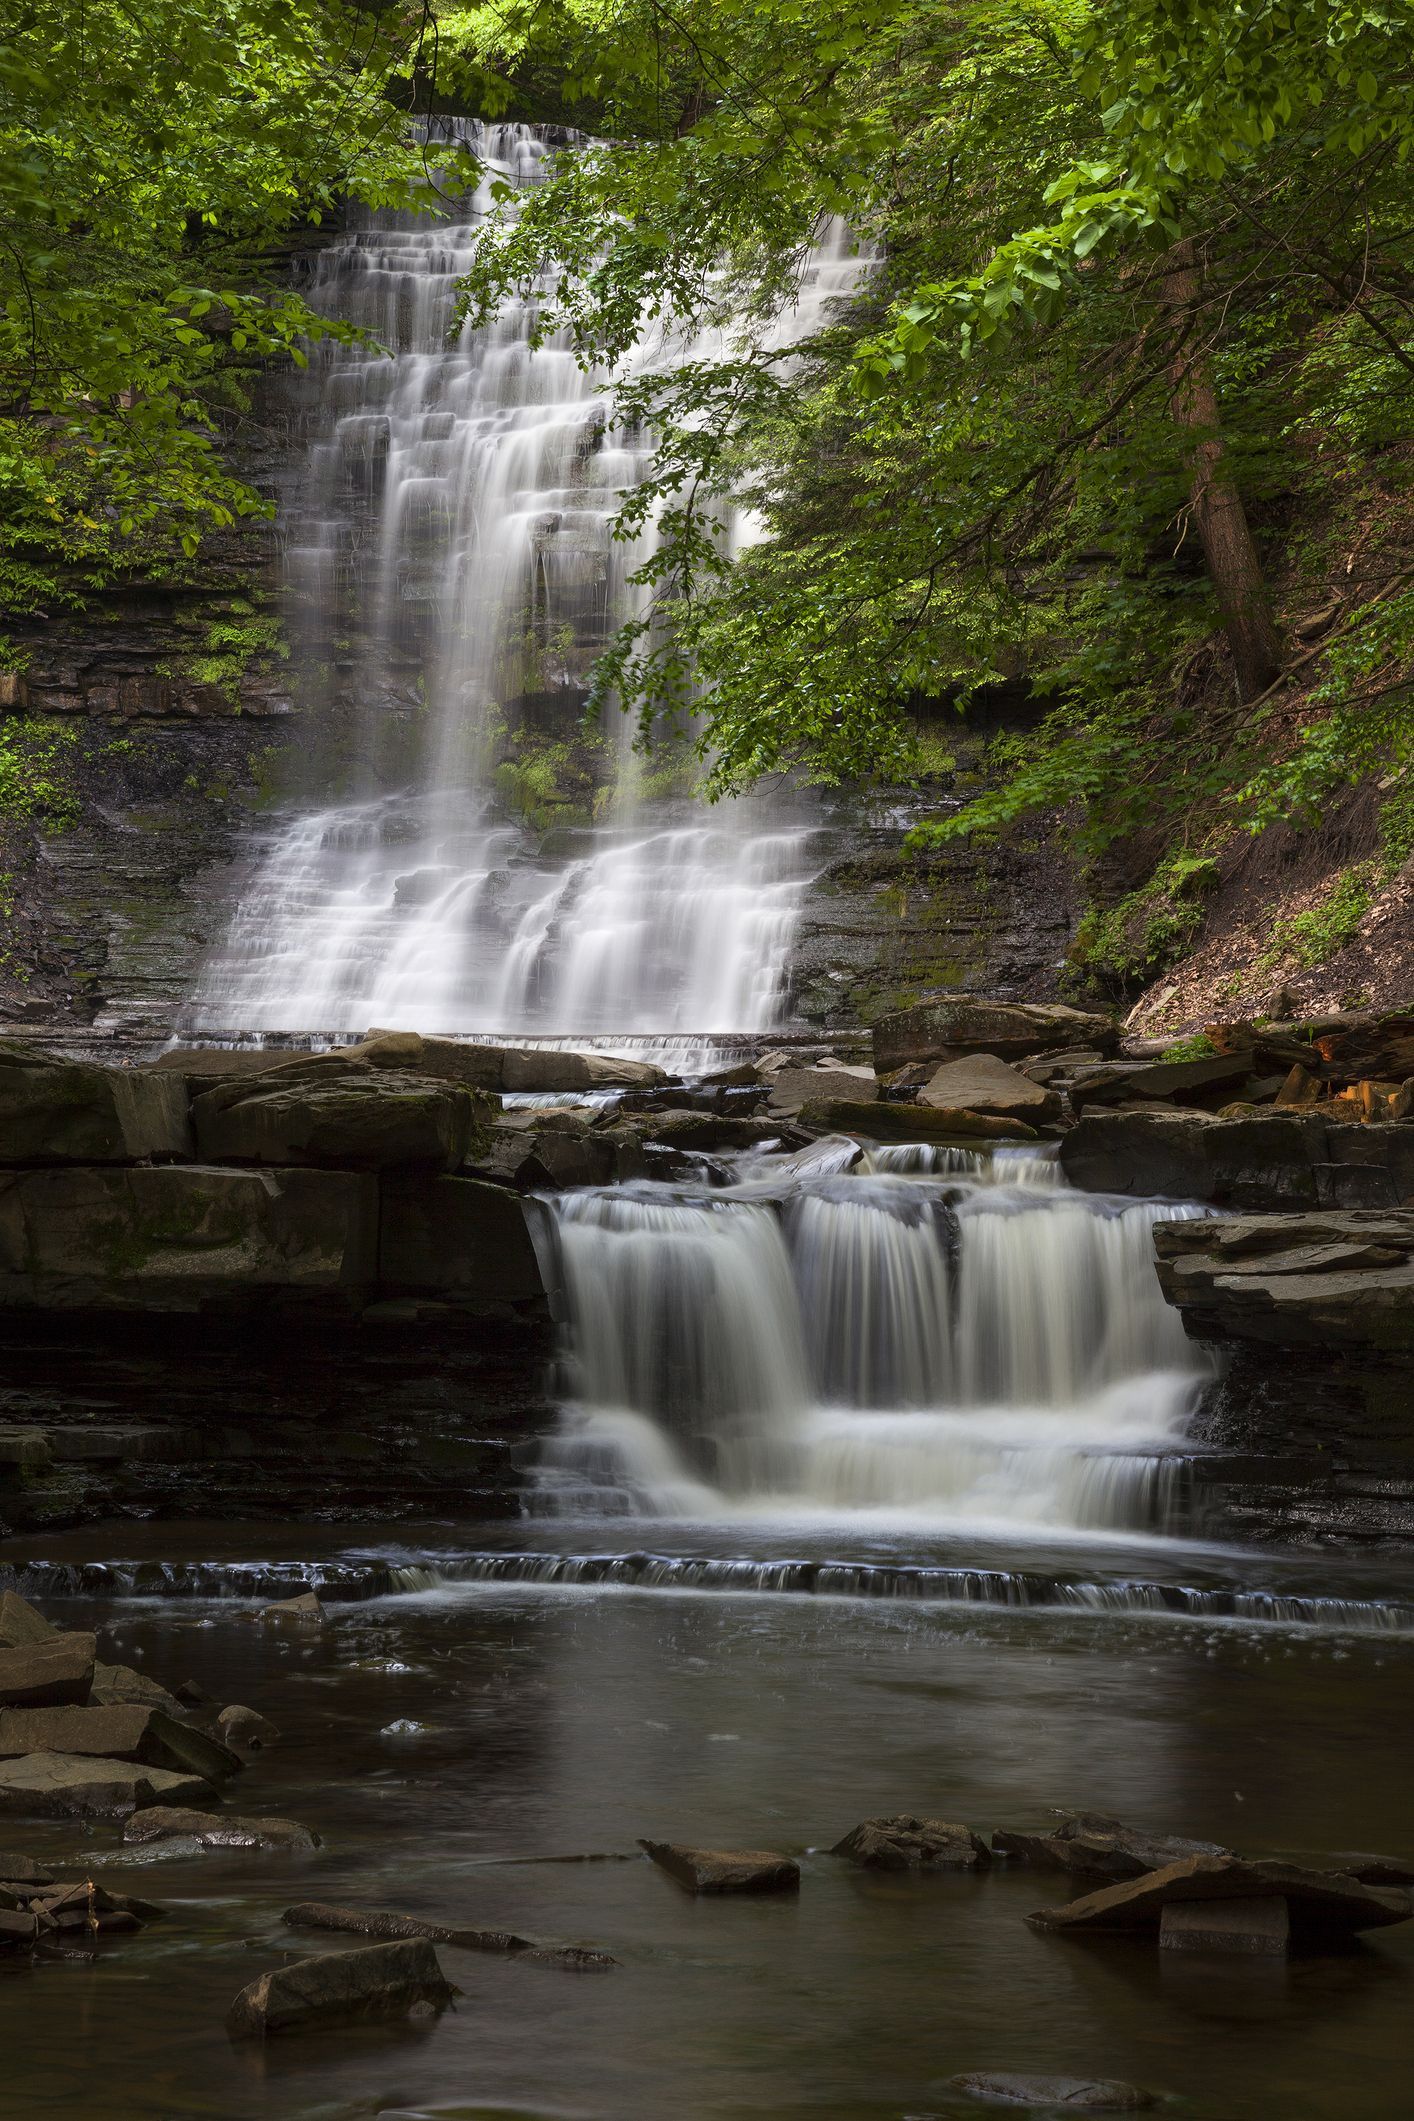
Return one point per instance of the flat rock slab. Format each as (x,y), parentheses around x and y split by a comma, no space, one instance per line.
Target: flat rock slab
(115,1684)
(169,1822)
(1323,1904)
(886,1122)
(906,1843)
(985,1084)
(379,1981)
(59,1785)
(725,1870)
(47,1674)
(122,1732)
(1084,2095)
(960,1024)
(382,1922)
(1099,1848)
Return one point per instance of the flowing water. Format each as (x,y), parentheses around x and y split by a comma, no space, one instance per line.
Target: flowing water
(456,511)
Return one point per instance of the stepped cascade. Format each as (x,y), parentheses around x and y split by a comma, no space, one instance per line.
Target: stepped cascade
(459,497)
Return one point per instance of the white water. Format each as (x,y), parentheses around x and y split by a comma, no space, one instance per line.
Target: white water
(957,1347)
(464,491)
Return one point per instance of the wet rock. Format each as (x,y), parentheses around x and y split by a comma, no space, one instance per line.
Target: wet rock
(171,1822)
(792,1088)
(1085,2095)
(380,1922)
(374,1121)
(725,1870)
(434,1059)
(1370,1870)
(963,1024)
(20,1624)
(177,1237)
(117,1733)
(115,1684)
(246,1731)
(1250,1928)
(912,1123)
(538,1068)
(62,1785)
(304,1611)
(23,1870)
(1273,1160)
(379,1981)
(91,1908)
(906,1843)
(1323,1905)
(69,1112)
(47,1674)
(17,1929)
(192,1695)
(1328,1281)
(982,1083)
(1099,1848)
(707,1131)
(461,1239)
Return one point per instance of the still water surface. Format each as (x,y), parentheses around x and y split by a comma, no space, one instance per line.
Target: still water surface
(556,1722)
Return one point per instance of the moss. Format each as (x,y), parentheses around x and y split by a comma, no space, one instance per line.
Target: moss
(1151,928)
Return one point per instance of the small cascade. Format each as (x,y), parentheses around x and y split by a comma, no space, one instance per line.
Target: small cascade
(977,1343)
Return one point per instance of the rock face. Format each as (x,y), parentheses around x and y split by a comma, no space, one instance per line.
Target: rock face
(460,1238)
(1268,1161)
(913,1123)
(47,1674)
(381,1981)
(963,1024)
(65,1112)
(1322,1905)
(1321,1281)
(982,1083)
(372,1121)
(725,1870)
(177,1236)
(58,1785)
(906,1843)
(1084,2095)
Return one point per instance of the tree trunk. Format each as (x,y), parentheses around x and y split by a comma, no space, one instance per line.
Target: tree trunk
(1218,514)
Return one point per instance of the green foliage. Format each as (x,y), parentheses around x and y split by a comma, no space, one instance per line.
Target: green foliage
(1149,929)
(1309,938)
(37,783)
(1197,1047)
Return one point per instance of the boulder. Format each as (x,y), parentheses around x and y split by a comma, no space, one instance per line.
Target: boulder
(982,1083)
(70,1112)
(18,1928)
(371,1120)
(1271,1160)
(380,1922)
(912,1123)
(959,1024)
(445,1060)
(179,1237)
(1342,1281)
(47,1674)
(725,1870)
(793,1087)
(178,1822)
(459,1239)
(132,1732)
(1209,1081)
(379,1981)
(20,1625)
(23,1870)
(904,1843)
(302,1612)
(245,1731)
(1084,2095)
(1098,1848)
(60,1785)
(708,1131)
(114,1684)
(1323,1905)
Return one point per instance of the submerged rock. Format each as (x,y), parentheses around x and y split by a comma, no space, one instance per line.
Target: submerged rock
(304,1611)
(244,1730)
(381,1922)
(1085,2095)
(171,1822)
(1323,1905)
(379,1981)
(48,1673)
(724,1870)
(56,1785)
(906,1843)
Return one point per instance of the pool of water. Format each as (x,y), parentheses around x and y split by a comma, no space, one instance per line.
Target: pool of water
(553,1721)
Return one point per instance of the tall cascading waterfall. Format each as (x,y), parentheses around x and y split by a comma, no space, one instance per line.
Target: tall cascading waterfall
(978,1343)
(458,501)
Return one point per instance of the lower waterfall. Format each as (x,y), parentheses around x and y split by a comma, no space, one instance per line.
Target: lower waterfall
(978,1343)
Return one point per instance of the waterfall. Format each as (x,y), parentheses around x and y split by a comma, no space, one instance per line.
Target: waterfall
(968,1344)
(449,544)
